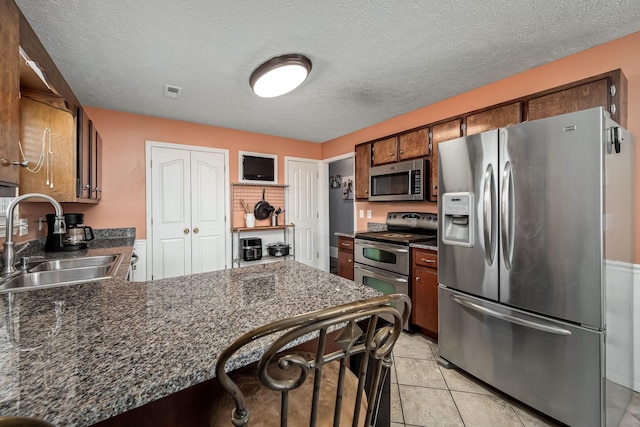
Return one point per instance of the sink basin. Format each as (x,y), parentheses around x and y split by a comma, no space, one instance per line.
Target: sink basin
(65,264)
(49,273)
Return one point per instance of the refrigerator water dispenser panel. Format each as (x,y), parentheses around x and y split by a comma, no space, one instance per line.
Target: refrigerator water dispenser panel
(457,227)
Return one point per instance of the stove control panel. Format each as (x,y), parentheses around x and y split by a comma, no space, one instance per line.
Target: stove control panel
(412,220)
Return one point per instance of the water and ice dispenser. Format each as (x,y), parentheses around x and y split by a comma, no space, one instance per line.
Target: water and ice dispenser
(458,221)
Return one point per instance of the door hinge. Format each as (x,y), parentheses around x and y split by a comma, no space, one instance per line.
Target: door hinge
(318,255)
(151,220)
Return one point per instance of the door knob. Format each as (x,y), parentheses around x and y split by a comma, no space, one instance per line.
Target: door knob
(195,230)
(186,231)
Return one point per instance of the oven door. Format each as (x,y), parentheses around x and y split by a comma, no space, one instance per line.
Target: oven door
(383,281)
(387,256)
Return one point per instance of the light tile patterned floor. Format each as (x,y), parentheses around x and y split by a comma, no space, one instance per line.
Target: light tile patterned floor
(425,394)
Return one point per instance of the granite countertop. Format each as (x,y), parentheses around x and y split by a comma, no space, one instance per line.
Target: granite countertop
(423,246)
(79,354)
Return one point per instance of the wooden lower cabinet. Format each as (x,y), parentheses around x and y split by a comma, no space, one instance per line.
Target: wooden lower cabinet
(345,257)
(424,292)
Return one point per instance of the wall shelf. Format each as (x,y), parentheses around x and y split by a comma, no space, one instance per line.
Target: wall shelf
(279,193)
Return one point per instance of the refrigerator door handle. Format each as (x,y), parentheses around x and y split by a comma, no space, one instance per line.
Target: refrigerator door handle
(507,215)
(487,214)
(510,318)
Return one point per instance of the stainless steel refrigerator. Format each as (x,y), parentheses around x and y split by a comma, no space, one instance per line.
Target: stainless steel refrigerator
(535,266)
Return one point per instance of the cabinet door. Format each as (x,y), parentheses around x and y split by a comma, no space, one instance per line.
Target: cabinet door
(588,95)
(384,151)
(362,165)
(425,299)
(413,144)
(96,166)
(47,135)
(9,91)
(345,264)
(494,118)
(84,139)
(439,133)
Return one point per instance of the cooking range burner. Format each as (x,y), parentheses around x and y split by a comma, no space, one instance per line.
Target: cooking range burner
(405,228)
(396,235)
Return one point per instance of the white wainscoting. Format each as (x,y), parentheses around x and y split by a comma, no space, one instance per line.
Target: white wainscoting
(138,272)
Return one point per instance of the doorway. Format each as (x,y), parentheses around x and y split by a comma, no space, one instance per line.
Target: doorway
(186,221)
(341,202)
(302,207)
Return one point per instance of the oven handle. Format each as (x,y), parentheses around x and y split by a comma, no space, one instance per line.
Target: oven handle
(378,245)
(378,275)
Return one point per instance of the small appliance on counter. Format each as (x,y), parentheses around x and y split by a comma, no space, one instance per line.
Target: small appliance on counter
(74,239)
(278,249)
(251,248)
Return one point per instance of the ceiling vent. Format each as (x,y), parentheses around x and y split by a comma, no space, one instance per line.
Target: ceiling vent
(172,91)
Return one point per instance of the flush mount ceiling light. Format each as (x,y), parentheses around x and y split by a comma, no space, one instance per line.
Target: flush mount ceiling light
(280,75)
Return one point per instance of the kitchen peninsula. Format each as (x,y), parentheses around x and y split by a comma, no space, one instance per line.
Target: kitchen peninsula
(81,354)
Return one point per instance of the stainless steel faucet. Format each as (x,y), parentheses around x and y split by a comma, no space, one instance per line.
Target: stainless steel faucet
(8,255)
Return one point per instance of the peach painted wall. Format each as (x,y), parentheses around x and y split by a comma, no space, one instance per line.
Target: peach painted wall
(621,53)
(123,160)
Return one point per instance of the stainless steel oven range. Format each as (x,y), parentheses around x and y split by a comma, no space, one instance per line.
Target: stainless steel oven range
(383,258)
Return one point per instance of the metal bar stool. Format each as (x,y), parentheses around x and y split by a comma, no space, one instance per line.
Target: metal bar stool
(290,387)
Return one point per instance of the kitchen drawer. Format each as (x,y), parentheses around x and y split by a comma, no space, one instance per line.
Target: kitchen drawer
(425,258)
(345,244)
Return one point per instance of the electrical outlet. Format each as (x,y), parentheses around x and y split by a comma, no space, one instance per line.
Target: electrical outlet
(23,228)
(361,213)
(368,213)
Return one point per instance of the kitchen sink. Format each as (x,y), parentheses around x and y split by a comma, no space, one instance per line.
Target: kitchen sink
(70,263)
(49,273)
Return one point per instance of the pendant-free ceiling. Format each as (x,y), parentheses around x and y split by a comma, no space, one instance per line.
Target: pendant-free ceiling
(280,75)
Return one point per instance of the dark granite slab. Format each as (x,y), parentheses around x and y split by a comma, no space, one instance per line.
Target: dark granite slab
(80,354)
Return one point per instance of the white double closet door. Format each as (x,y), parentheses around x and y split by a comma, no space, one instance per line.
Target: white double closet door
(187,210)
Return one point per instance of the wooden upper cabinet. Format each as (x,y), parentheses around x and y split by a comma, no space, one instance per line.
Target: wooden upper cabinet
(494,118)
(413,144)
(439,133)
(384,151)
(588,95)
(9,95)
(362,165)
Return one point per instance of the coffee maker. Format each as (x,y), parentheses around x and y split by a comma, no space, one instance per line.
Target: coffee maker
(74,239)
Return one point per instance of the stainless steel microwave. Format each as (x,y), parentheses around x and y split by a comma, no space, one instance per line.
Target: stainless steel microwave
(398,181)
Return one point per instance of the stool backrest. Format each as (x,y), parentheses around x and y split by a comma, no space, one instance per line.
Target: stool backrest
(360,335)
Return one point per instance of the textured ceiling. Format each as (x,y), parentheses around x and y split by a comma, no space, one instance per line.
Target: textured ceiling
(372,59)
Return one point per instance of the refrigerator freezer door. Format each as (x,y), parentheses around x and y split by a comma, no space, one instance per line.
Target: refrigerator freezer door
(551,216)
(553,366)
(468,173)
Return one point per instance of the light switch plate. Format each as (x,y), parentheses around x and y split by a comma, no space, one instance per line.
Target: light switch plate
(368,213)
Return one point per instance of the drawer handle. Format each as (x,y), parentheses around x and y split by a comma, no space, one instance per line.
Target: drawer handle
(512,319)
(428,261)
(345,244)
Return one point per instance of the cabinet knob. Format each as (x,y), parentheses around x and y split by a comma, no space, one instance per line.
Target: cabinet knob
(417,278)
(350,260)
(401,151)
(196,230)
(21,163)
(392,154)
(185,231)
